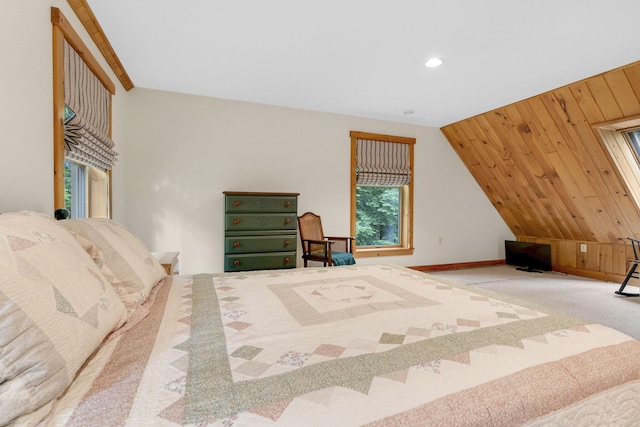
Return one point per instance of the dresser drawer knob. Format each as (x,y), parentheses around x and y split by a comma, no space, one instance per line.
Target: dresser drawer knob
(287,204)
(287,243)
(286,260)
(236,244)
(236,203)
(287,221)
(236,221)
(236,262)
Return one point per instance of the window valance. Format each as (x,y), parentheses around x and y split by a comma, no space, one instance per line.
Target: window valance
(86,131)
(87,145)
(382,163)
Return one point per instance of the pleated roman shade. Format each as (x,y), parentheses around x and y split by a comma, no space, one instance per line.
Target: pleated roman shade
(382,163)
(86,132)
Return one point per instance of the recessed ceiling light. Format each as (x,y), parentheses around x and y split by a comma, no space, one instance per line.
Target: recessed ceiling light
(433,62)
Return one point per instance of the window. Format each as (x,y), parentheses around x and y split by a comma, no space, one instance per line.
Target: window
(75,181)
(86,187)
(378,215)
(622,141)
(633,137)
(75,189)
(381,194)
(83,149)
(86,190)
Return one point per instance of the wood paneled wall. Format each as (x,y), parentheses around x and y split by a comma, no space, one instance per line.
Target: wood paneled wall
(543,166)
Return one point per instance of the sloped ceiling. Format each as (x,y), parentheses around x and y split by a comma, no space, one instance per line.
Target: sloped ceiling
(366,57)
(544,167)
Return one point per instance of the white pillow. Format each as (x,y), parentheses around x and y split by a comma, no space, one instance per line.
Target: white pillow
(122,257)
(56,307)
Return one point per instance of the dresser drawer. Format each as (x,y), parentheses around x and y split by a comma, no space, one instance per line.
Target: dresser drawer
(257,221)
(248,244)
(251,203)
(260,230)
(263,261)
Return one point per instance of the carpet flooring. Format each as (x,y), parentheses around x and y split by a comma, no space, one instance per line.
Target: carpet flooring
(589,299)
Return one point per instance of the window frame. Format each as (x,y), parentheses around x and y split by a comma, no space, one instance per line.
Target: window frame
(79,189)
(61,31)
(613,135)
(634,146)
(405,247)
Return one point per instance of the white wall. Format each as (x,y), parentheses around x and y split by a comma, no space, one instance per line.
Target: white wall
(26,111)
(178,153)
(26,163)
(185,150)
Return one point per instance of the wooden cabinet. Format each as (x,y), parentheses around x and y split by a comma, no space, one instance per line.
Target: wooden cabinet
(260,230)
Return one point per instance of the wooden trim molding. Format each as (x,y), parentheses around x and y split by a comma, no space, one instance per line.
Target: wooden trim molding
(457,266)
(59,20)
(367,252)
(379,137)
(88,19)
(61,31)
(406,232)
(58,114)
(597,275)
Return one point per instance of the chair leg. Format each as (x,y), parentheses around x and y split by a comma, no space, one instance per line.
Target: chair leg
(630,275)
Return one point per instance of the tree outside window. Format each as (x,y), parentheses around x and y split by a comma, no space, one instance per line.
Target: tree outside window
(377,216)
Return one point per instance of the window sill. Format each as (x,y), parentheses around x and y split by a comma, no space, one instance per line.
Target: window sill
(375,252)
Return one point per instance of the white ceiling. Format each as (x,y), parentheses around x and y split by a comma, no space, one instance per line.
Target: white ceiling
(366,57)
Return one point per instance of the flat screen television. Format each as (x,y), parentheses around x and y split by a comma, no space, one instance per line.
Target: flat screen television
(527,256)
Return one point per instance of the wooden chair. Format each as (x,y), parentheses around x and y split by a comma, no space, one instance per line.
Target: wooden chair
(633,268)
(318,247)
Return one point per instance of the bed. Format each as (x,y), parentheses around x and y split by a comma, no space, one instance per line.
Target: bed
(377,345)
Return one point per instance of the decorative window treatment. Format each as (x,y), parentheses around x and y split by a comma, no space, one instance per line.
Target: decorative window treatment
(382,163)
(86,132)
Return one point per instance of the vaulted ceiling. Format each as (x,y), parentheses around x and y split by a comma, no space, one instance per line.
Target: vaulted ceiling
(366,57)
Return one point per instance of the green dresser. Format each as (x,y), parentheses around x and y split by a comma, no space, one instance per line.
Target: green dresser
(260,230)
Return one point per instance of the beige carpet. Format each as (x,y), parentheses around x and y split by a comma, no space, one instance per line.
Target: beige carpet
(590,299)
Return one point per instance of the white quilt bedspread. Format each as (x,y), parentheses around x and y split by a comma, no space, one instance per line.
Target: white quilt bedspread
(353,345)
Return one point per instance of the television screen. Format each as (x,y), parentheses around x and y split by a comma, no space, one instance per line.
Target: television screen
(528,256)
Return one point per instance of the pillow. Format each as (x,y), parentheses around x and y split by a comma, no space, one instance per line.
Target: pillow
(122,257)
(56,308)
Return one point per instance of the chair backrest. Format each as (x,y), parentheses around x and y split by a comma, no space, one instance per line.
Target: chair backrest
(310,226)
(636,247)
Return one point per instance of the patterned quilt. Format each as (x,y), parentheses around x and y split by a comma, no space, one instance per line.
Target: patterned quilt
(353,345)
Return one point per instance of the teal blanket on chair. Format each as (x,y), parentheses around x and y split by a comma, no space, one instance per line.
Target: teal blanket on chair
(342,258)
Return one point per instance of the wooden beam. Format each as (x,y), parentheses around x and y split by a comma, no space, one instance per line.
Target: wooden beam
(88,19)
(70,35)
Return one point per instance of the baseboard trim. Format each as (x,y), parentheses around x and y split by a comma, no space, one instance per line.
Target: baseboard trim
(606,277)
(589,274)
(457,266)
